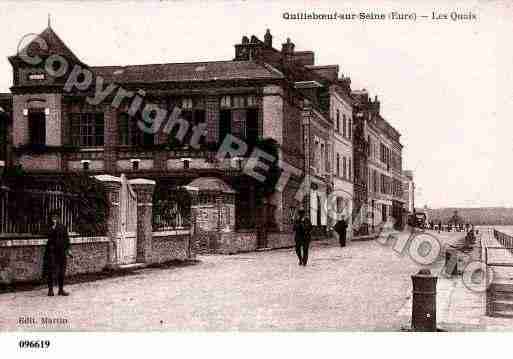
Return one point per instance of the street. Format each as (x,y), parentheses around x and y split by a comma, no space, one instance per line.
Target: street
(359,287)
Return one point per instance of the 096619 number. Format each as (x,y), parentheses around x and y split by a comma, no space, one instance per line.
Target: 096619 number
(34,344)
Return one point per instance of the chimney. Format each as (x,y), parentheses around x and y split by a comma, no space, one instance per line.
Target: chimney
(268,39)
(287,48)
(242,50)
(375,104)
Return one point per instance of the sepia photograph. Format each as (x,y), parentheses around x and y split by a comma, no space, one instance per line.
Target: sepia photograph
(255,167)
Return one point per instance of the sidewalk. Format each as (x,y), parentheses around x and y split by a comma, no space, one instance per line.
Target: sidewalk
(457,307)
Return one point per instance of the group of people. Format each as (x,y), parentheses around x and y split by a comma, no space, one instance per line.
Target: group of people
(302,235)
(449,227)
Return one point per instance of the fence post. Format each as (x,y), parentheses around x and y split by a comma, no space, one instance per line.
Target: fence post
(144,189)
(112,187)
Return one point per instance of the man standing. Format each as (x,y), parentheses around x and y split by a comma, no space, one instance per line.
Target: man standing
(302,229)
(341,229)
(56,252)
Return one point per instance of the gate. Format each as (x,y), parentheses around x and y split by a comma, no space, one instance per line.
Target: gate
(127,235)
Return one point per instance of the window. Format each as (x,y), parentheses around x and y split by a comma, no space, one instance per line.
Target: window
(328,158)
(344,126)
(251,125)
(238,102)
(225,124)
(252,101)
(317,155)
(193,111)
(349,169)
(349,129)
(129,132)
(225,118)
(338,121)
(37,127)
(87,129)
(338,165)
(226,102)
(323,160)
(344,167)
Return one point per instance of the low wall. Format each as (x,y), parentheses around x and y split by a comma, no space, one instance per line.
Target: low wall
(171,245)
(235,242)
(21,259)
(280,239)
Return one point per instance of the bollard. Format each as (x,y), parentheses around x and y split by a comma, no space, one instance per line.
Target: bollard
(423,316)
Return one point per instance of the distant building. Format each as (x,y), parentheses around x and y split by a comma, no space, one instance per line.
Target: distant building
(409,190)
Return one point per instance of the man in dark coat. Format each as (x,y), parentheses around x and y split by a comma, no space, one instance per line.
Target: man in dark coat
(341,229)
(302,229)
(56,252)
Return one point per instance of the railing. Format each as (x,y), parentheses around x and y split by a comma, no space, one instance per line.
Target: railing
(504,239)
(171,218)
(498,253)
(36,221)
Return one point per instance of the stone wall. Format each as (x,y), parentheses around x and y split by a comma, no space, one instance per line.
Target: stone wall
(22,259)
(235,242)
(171,245)
(280,239)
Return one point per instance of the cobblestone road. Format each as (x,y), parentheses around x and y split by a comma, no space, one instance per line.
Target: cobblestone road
(359,287)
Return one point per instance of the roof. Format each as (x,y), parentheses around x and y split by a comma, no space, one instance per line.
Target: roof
(55,46)
(192,71)
(211,184)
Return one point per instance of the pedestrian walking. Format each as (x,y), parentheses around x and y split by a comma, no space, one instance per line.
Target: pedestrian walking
(56,251)
(341,230)
(302,229)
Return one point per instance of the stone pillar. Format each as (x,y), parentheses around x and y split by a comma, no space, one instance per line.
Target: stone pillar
(111,139)
(144,189)
(272,107)
(112,187)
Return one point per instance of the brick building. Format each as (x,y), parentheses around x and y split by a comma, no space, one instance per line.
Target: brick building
(332,141)
(58,126)
(379,170)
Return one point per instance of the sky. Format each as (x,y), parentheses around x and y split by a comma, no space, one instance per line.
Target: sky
(445,85)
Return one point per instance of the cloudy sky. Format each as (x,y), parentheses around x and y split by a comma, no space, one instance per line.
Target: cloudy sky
(445,85)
